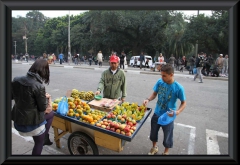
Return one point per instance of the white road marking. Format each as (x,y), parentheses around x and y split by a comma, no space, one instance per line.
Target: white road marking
(191,138)
(212,142)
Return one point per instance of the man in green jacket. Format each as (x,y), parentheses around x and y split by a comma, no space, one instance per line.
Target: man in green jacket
(113,81)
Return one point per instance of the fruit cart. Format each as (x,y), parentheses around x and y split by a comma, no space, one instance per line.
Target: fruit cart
(85,137)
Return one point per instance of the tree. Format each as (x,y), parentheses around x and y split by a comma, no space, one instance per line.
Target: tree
(211,32)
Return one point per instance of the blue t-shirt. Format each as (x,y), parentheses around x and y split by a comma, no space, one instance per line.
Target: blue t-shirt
(60,56)
(167,96)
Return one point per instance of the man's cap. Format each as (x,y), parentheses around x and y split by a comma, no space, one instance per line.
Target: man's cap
(113,58)
(77,54)
(221,54)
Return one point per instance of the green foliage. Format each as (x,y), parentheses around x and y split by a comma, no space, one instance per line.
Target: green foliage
(131,31)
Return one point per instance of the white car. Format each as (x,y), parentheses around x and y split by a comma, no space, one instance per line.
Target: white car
(147,57)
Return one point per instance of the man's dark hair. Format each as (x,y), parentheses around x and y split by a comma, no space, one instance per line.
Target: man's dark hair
(167,68)
(41,67)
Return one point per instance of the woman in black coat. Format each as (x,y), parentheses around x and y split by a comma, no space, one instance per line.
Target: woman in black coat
(31,101)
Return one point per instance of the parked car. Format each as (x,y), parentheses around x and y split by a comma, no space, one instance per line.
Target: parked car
(147,57)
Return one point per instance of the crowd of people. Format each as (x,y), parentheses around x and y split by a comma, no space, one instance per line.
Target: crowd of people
(208,67)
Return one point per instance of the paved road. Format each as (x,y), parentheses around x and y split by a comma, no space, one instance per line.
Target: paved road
(201,129)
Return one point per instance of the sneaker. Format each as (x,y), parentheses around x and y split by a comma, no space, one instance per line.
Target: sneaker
(165,153)
(153,151)
(200,81)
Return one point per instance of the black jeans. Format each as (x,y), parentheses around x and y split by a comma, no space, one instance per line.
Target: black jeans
(122,64)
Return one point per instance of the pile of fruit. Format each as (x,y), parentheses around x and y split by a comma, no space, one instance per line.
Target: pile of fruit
(122,119)
(81,111)
(73,103)
(89,95)
(132,111)
(93,117)
(55,103)
(127,128)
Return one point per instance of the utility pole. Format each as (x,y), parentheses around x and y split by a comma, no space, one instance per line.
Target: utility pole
(197,43)
(15,46)
(25,38)
(69,47)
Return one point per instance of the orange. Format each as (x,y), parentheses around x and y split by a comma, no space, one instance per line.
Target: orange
(90,119)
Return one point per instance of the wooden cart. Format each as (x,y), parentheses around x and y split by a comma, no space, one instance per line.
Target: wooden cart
(84,137)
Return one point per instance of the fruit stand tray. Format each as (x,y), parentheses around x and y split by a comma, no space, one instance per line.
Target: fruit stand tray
(109,132)
(97,104)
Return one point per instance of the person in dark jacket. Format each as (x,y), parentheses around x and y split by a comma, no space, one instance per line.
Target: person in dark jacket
(199,67)
(141,59)
(122,58)
(31,101)
(191,64)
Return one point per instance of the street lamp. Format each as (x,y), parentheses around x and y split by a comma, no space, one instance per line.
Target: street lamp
(69,47)
(15,46)
(197,43)
(25,38)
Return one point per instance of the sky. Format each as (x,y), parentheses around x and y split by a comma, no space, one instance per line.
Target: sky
(60,13)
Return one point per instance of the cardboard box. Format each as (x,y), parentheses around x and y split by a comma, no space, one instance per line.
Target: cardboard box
(97,104)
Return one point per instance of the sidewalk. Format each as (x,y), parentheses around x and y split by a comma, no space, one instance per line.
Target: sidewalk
(129,69)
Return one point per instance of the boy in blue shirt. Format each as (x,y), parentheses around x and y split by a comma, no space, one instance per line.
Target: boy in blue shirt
(168,91)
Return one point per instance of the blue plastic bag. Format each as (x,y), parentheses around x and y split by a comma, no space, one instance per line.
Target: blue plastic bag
(164,119)
(63,106)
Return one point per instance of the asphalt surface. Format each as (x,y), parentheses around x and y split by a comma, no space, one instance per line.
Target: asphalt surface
(23,145)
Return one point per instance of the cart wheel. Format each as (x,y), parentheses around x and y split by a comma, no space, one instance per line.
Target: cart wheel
(80,143)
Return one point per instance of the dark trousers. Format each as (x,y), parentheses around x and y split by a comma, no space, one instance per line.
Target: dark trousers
(122,64)
(39,140)
(90,62)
